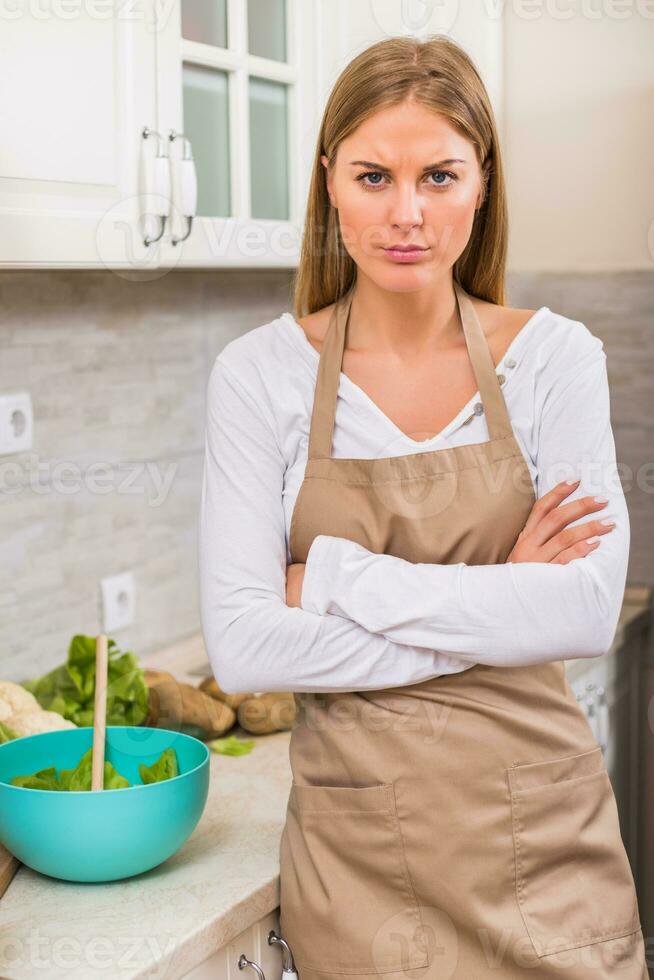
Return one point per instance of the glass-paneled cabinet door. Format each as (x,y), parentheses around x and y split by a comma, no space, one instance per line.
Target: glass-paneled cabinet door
(237,93)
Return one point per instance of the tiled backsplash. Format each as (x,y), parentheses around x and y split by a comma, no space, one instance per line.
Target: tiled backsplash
(619,308)
(117,370)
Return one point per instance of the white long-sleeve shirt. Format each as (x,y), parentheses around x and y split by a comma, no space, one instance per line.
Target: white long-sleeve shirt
(369,621)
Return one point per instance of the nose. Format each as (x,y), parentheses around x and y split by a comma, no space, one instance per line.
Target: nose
(406,206)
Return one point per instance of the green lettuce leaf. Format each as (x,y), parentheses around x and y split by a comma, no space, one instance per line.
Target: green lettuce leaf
(7,734)
(231,745)
(79,777)
(70,688)
(164,768)
(43,779)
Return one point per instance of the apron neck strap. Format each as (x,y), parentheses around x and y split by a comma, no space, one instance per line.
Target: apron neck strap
(331,360)
(490,391)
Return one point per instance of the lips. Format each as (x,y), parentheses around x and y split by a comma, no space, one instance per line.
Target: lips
(406,248)
(405,254)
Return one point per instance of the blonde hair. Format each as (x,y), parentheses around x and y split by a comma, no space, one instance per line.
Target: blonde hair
(437,73)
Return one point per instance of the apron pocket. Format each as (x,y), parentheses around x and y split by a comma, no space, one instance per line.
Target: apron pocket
(574,883)
(347,903)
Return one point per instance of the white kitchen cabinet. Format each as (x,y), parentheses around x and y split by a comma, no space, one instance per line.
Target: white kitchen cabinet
(77,86)
(223,964)
(237,85)
(607,688)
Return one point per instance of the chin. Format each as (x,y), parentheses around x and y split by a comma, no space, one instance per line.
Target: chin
(404,279)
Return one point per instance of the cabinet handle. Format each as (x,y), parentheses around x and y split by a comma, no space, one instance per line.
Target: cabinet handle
(244,963)
(156,176)
(603,718)
(184,182)
(589,702)
(288,966)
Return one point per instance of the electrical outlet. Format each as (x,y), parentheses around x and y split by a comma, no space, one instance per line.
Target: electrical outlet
(16,423)
(118,601)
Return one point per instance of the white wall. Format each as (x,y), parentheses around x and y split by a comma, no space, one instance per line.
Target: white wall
(579,137)
(349,26)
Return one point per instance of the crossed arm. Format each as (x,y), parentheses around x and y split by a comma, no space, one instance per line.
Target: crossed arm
(522,612)
(370,621)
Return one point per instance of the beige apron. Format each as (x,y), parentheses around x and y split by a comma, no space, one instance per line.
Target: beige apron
(464,826)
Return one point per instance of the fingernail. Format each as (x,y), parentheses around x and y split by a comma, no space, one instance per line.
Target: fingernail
(608,521)
(592,540)
(572,482)
(601,499)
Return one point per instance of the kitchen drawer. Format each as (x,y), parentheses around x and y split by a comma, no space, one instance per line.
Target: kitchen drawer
(223,964)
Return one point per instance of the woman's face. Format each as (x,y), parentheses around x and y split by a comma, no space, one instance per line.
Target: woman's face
(405,176)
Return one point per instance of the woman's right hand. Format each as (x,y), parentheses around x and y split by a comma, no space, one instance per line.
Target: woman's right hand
(546,536)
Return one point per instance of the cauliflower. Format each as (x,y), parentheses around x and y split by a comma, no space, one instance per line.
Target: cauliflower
(33,722)
(17,697)
(21,712)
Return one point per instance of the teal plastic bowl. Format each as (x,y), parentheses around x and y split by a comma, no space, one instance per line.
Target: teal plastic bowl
(108,834)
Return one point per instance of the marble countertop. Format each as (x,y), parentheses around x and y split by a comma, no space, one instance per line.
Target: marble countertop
(163,922)
(222,880)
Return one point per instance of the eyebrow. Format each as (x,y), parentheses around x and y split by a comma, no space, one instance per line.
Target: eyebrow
(382,169)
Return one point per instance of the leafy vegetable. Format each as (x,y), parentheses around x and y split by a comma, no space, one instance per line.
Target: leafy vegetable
(70,688)
(6,733)
(164,768)
(231,745)
(43,779)
(79,777)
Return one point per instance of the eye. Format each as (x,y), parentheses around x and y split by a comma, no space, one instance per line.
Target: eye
(369,173)
(376,173)
(444,173)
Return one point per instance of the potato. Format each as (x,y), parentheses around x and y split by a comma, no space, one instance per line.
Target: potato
(211,687)
(273,711)
(173,704)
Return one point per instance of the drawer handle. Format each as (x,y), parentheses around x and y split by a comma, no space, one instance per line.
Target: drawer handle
(288,966)
(244,962)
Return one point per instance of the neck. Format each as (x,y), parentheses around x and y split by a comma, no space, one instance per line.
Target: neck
(404,323)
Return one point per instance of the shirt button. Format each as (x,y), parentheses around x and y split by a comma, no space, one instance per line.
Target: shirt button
(501,378)
(510,363)
(479,408)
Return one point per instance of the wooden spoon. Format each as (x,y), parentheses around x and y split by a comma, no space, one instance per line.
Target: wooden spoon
(99,711)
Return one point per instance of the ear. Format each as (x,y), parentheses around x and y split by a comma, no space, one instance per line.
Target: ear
(330,184)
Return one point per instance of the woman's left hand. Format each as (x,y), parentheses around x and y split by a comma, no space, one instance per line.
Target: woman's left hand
(294,580)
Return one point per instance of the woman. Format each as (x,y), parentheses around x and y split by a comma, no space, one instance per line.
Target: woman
(416,571)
